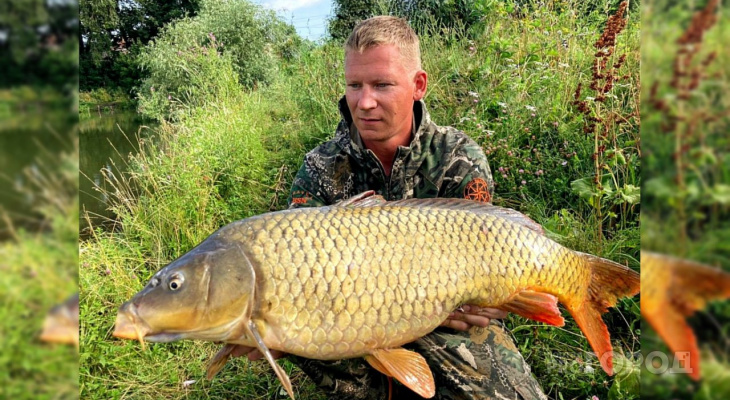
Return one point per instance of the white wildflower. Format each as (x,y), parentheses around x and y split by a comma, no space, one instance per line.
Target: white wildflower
(531,108)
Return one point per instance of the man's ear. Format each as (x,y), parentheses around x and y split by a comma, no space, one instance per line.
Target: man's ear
(421,81)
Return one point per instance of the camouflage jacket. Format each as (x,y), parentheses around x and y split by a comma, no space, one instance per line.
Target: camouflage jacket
(439,162)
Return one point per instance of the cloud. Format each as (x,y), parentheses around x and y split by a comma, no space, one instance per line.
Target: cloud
(289,5)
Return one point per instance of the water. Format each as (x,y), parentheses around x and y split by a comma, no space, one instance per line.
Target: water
(106,142)
(30,143)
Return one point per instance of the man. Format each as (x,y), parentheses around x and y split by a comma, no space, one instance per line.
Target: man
(387,142)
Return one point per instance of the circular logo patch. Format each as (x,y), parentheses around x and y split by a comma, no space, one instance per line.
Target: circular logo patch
(478,190)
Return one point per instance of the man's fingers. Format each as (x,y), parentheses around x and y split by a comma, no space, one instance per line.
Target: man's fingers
(456,324)
(492,313)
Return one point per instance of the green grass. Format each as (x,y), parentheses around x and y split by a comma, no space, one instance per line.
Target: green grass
(39,270)
(236,157)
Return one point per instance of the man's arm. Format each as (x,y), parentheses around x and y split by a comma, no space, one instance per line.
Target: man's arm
(469,174)
(304,187)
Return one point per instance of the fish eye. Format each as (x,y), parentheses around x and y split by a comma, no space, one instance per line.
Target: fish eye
(175,282)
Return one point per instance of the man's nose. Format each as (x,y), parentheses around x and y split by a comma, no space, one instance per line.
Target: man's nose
(367,99)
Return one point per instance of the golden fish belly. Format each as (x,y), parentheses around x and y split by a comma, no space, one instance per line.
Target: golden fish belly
(342,281)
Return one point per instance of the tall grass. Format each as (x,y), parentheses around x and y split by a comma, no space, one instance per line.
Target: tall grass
(508,83)
(38,271)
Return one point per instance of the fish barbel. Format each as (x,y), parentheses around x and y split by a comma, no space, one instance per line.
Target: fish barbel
(672,290)
(363,277)
(62,323)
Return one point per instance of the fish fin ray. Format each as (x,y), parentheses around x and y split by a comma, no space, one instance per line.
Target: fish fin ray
(673,328)
(219,360)
(373,361)
(696,284)
(364,199)
(280,373)
(408,367)
(609,282)
(537,306)
(590,322)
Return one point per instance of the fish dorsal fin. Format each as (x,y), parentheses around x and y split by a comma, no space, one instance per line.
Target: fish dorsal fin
(280,373)
(364,199)
(408,367)
(471,206)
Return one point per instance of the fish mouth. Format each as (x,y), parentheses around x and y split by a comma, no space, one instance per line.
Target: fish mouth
(129,325)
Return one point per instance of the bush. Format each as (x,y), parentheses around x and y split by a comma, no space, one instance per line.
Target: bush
(197,60)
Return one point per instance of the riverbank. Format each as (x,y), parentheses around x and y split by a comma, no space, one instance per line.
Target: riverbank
(101,101)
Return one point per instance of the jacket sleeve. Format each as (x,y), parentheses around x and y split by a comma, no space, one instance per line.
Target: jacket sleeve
(304,187)
(469,173)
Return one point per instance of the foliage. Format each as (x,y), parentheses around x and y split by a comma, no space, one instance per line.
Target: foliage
(197,60)
(38,46)
(687,169)
(113,31)
(38,271)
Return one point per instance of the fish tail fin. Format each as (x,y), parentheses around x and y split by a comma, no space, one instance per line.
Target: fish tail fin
(673,328)
(687,286)
(610,281)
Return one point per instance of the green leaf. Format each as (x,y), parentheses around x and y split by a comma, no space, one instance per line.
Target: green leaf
(584,188)
(630,194)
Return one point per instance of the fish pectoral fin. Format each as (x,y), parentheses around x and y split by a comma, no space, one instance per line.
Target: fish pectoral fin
(534,305)
(219,360)
(408,367)
(280,373)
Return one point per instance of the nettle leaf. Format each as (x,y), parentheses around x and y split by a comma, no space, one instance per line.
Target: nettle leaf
(720,193)
(584,188)
(630,194)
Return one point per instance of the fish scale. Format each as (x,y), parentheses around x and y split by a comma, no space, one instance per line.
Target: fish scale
(362,278)
(427,266)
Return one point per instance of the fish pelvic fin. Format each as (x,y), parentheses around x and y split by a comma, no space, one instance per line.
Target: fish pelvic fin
(408,367)
(280,373)
(610,281)
(219,360)
(534,305)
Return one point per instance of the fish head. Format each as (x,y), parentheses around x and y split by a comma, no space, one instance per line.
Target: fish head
(61,324)
(205,294)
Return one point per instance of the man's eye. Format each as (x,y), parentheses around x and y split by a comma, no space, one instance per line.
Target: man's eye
(382,85)
(354,85)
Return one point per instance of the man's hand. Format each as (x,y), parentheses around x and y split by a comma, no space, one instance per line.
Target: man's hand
(467,316)
(253,353)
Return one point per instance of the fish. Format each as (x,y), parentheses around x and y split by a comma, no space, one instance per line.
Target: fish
(61,324)
(365,276)
(673,289)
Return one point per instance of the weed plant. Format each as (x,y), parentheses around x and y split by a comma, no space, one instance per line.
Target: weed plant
(38,271)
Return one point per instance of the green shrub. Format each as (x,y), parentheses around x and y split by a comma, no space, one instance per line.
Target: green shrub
(197,60)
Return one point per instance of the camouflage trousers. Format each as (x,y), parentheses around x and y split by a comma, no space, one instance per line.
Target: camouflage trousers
(482,363)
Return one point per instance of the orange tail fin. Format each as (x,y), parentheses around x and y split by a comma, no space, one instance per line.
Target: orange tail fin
(610,281)
(676,288)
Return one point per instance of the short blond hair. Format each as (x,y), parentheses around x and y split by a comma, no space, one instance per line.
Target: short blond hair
(383,30)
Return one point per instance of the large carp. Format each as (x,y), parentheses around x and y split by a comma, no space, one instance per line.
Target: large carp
(362,278)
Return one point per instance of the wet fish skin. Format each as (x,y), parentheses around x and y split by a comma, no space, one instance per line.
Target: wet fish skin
(348,281)
(61,324)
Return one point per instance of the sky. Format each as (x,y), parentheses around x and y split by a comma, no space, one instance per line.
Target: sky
(309,17)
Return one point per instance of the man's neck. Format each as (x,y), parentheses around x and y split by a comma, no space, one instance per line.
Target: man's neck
(385,151)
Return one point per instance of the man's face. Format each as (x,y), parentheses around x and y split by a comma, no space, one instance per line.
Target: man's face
(380,92)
